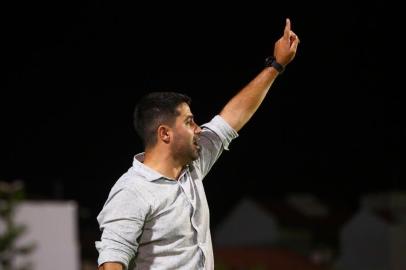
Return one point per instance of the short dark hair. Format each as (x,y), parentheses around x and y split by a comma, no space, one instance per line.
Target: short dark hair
(154,109)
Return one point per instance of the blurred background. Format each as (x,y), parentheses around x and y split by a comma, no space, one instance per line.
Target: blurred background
(314,181)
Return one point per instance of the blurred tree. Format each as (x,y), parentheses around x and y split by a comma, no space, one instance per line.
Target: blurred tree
(11,194)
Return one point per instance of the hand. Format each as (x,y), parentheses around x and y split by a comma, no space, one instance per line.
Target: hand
(111,266)
(285,48)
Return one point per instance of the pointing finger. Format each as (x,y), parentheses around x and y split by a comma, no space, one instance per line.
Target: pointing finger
(286,31)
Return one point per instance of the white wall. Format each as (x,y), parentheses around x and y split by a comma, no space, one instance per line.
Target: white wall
(53,227)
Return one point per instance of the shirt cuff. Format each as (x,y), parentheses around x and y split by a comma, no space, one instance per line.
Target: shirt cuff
(111,255)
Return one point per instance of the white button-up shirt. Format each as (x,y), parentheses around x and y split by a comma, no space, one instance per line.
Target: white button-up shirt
(152,222)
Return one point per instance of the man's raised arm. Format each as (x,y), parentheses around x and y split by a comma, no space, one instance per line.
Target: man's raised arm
(245,103)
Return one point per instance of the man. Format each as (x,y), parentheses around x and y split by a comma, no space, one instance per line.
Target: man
(156,215)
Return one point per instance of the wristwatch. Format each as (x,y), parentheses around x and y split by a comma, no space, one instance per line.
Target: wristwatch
(271,62)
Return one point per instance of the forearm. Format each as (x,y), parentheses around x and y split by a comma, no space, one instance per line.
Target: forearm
(243,105)
(111,266)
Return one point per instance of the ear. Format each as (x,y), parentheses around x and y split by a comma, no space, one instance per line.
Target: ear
(163,134)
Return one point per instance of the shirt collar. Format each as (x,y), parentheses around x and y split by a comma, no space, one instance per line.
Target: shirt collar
(146,171)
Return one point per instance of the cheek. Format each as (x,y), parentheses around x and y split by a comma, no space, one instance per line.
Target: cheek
(186,132)
(182,136)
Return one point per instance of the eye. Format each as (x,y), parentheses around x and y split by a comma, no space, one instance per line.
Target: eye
(189,121)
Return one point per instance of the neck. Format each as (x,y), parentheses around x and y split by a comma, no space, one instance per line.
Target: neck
(163,162)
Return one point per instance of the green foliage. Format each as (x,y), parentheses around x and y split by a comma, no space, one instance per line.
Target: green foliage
(11,194)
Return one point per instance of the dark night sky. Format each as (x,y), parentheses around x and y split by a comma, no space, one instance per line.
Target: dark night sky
(75,71)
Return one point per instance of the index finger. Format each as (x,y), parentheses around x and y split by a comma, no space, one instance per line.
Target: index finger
(286,31)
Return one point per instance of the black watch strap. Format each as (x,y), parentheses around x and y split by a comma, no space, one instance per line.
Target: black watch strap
(271,62)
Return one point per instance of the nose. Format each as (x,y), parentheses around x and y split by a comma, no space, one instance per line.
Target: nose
(198,129)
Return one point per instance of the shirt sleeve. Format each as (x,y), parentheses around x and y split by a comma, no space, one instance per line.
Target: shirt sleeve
(121,221)
(215,137)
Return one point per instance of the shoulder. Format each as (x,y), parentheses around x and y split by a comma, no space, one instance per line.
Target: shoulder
(133,186)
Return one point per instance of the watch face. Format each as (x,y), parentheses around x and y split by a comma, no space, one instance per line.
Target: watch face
(269,60)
